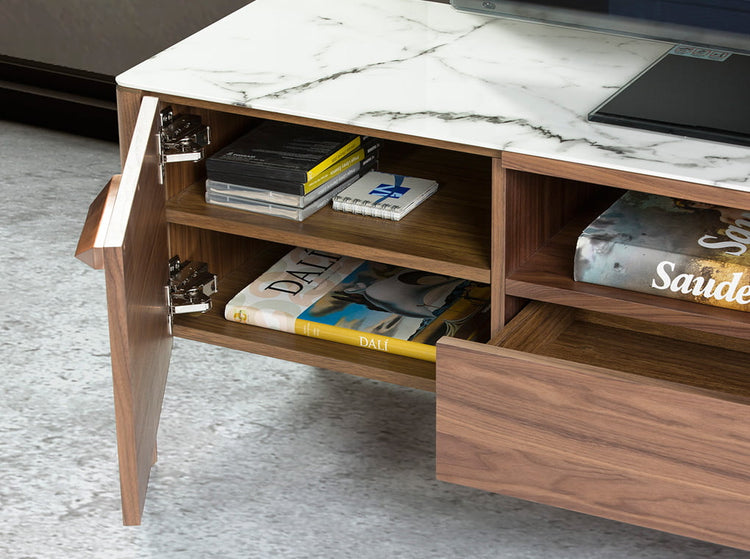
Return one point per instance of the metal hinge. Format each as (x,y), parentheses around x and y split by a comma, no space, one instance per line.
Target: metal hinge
(190,287)
(183,137)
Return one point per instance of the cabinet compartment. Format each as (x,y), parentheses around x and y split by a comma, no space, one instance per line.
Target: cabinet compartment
(449,234)
(213,328)
(615,417)
(547,213)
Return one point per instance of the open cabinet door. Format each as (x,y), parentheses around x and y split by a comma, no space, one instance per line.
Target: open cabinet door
(130,239)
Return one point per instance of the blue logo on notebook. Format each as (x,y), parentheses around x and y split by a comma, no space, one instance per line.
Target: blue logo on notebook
(390,190)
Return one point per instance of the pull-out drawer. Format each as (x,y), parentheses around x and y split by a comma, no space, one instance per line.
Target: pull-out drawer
(616,418)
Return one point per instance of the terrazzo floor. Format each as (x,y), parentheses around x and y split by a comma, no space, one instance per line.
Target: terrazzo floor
(259,458)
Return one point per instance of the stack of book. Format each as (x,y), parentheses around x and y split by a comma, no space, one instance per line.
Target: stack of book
(669,247)
(287,170)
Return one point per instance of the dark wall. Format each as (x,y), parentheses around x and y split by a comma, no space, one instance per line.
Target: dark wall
(58,59)
(98,36)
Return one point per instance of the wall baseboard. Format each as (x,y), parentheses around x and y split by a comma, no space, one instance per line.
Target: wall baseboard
(59,98)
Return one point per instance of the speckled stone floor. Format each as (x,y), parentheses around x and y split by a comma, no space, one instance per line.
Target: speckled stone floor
(258,457)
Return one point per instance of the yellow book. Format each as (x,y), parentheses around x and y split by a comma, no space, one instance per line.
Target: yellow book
(357,302)
(281,151)
(331,159)
(335,169)
(367,340)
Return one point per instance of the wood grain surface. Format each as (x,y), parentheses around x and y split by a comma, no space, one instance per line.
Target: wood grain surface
(136,271)
(603,420)
(90,247)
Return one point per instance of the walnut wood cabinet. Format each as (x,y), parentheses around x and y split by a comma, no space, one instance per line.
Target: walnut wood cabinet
(609,402)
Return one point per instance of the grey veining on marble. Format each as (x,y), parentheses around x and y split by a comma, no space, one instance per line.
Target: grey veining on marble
(424,69)
(259,458)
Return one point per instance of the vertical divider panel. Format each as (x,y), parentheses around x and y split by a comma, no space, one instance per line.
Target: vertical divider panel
(536,207)
(498,246)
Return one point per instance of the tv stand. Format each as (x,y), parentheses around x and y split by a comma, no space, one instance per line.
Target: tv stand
(613,403)
(690,91)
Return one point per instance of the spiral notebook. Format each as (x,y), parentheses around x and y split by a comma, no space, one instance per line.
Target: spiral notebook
(384,195)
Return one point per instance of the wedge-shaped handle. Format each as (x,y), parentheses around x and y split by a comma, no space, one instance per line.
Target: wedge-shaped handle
(91,241)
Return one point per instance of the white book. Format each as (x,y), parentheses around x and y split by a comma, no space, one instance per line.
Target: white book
(384,195)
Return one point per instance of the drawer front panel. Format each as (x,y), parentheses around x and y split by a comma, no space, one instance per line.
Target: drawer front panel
(615,445)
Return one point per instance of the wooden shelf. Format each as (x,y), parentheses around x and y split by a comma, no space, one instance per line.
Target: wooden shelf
(639,348)
(449,233)
(213,328)
(548,276)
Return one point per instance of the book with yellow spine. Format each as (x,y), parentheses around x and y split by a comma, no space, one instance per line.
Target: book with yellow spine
(358,302)
(331,186)
(281,151)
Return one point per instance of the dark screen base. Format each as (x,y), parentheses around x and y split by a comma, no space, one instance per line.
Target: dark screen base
(700,97)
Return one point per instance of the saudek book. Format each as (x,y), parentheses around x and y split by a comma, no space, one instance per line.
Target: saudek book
(669,247)
(357,302)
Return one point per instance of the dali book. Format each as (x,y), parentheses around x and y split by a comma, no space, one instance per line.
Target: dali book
(384,195)
(281,151)
(669,247)
(353,301)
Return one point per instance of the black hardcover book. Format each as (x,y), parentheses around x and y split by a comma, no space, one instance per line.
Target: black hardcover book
(367,148)
(282,151)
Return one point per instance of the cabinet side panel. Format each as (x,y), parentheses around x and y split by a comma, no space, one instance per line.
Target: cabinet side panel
(612,446)
(222,252)
(224,128)
(128,105)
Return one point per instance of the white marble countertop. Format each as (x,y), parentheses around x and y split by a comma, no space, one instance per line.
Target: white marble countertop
(424,69)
